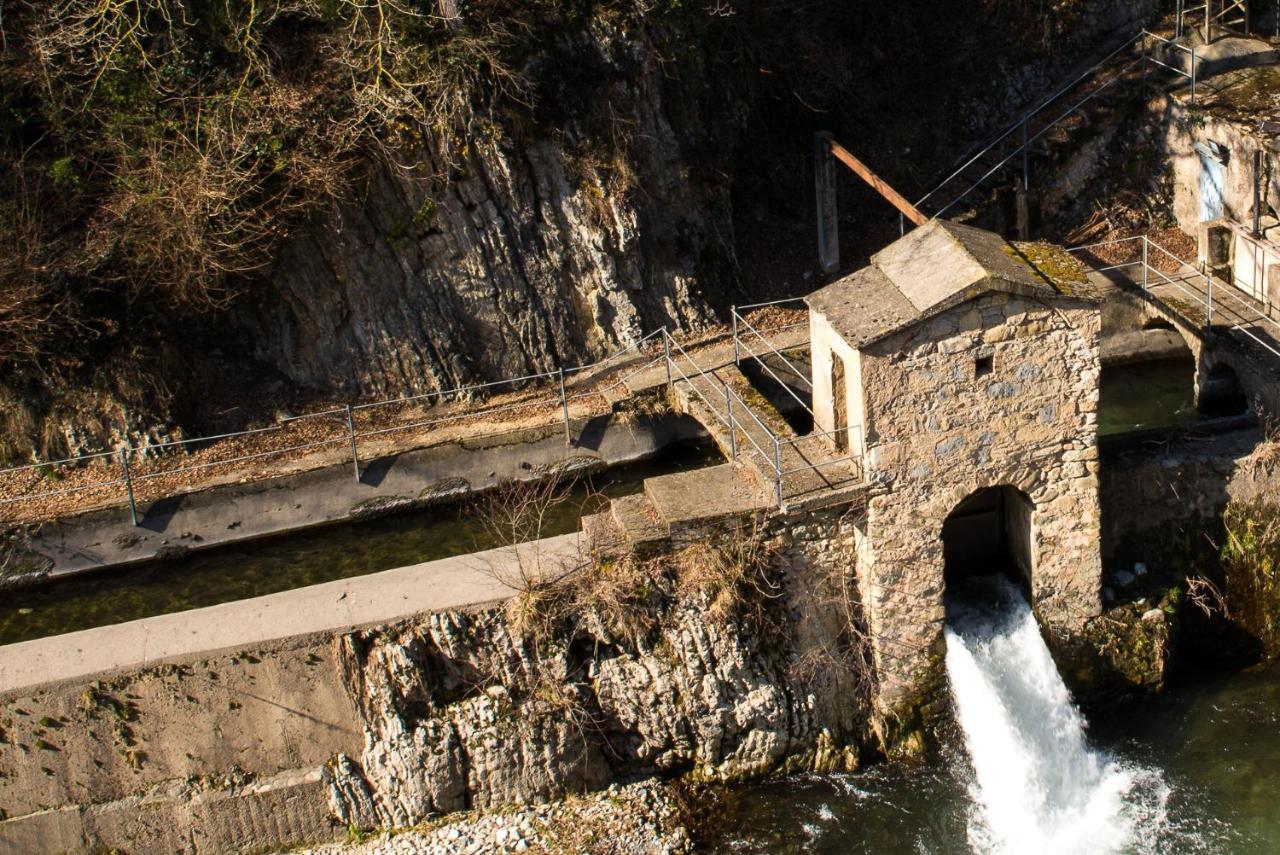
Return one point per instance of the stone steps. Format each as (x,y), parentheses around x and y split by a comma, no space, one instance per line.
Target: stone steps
(688,500)
(814,474)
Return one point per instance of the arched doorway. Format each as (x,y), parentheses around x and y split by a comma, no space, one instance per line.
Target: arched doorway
(990,532)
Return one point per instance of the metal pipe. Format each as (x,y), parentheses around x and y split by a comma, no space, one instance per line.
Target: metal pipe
(1208,275)
(564,408)
(128,486)
(1026,158)
(1146,269)
(737,357)
(351,433)
(1257,192)
(1193,74)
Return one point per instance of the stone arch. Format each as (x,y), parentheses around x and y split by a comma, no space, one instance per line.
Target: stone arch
(1221,392)
(990,531)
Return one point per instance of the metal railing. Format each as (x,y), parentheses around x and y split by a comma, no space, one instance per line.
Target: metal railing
(165,469)
(770,448)
(739,322)
(1226,307)
(1021,129)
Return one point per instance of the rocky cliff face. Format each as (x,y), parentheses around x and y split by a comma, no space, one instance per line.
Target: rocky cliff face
(595,205)
(527,254)
(460,712)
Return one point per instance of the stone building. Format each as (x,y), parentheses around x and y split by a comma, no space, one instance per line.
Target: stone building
(964,370)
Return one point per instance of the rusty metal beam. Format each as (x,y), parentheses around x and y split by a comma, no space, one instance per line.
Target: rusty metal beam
(878,184)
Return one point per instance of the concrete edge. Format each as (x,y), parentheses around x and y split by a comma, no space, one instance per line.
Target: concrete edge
(285,619)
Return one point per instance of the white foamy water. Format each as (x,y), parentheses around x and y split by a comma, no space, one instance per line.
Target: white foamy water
(1037,786)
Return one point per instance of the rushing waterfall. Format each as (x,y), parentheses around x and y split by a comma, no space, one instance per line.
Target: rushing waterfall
(1037,787)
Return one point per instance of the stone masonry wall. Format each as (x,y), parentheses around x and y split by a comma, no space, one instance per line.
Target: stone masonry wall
(937,433)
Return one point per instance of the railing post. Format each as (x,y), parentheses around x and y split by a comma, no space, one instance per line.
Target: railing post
(1145,65)
(777,468)
(902,224)
(666,354)
(1177,27)
(1193,74)
(128,486)
(564,408)
(728,407)
(736,355)
(1208,279)
(1146,270)
(1026,156)
(351,435)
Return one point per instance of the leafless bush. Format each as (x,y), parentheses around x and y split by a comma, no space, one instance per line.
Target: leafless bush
(845,651)
(1206,596)
(33,313)
(16,558)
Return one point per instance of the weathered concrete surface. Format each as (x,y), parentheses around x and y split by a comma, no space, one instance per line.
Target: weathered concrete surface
(208,730)
(239,512)
(278,743)
(449,583)
(1215,119)
(1164,502)
(1139,345)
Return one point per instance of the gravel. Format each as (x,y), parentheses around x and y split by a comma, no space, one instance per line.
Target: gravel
(636,819)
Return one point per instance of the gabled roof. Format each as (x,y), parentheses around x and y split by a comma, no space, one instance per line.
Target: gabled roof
(934,268)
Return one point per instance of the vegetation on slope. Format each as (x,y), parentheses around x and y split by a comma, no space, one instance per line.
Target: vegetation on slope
(154,152)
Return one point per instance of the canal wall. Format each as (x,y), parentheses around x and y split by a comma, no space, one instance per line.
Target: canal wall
(238,512)
(1162,501)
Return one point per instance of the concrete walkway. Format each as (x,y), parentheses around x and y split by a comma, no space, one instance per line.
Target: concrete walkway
(377,599)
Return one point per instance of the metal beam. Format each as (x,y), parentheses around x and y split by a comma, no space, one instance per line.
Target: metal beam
(878,184)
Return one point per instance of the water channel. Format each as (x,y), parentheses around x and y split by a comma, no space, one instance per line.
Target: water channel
(266,566)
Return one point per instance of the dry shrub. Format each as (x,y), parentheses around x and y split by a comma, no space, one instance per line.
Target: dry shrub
(1251,560)
(729,573)
(1206,596)
(617,596)
(176,142)
(840,656)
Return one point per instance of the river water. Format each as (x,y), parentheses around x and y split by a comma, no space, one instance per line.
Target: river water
(1196,770)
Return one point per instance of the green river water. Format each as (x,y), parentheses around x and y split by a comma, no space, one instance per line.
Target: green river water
(269,565)
(1216,742)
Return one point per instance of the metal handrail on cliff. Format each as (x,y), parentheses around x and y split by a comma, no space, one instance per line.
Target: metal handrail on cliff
(727,418)
(1023,123)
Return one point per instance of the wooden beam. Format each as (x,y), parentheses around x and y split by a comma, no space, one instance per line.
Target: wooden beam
(878,184)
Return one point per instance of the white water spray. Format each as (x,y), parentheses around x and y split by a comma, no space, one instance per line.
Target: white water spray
(1037,786)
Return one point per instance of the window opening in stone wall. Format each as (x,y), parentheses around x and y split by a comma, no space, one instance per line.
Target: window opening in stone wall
(983,365)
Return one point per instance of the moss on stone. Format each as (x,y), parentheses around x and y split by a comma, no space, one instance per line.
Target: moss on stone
(1051,261)
(1251,562)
